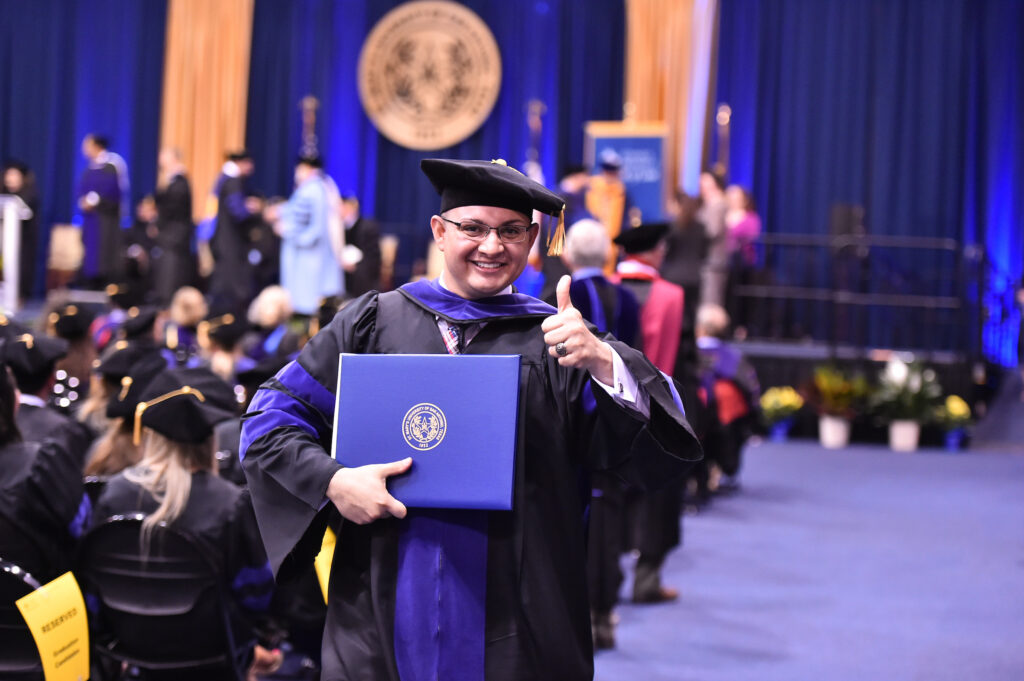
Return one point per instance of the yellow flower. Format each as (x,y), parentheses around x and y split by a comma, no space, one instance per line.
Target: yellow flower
(957,408)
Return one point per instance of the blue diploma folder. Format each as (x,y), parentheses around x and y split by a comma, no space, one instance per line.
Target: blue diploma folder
(454,415)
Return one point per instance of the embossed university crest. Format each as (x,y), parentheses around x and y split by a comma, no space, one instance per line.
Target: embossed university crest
(429,74)
(424,426)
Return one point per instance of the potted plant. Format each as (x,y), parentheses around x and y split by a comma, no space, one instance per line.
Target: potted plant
(837,397)
(954,415)
(779,406)
(907,394)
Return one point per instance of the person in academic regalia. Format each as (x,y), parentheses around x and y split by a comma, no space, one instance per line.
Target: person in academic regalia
(181,330)
(71,323)
(43,508)
(31,360)
(510,601)
(655,515)
(312,239)
(269,315)
(361,257)
(173,264)
(176,483)
(606,199)
(611,308)
(19,180)
(102,193)
(238,212)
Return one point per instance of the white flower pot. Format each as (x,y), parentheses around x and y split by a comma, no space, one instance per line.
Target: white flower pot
(833,431)
(904,435)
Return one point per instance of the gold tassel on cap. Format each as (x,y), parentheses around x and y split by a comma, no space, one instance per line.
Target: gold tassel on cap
(556,239)
(141,407)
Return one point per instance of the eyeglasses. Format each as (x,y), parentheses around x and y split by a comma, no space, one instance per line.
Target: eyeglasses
(478,231)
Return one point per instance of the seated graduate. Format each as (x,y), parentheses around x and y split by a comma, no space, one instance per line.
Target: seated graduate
(116,449)
(108,373)
(180,333)
(176,481)
(269,314)
(43,508)
(32,360)
(71,323)
(460,594)
(220,337)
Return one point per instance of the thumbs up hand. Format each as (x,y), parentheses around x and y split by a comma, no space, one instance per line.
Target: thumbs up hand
(569,339)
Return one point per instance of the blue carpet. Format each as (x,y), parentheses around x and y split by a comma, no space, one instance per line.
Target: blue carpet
(860,564)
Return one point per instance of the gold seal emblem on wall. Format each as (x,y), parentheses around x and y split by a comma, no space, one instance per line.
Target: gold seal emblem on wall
(429,74)
(424,426)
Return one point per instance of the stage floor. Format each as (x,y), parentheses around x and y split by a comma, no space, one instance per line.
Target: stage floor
(843,565)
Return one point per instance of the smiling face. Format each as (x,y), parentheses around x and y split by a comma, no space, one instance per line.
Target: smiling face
(481,269)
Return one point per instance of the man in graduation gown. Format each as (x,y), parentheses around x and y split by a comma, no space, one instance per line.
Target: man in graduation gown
(361,258)
(657,528)
(238,212)
(309,225)
(457,594)
(173,263)
(102,193)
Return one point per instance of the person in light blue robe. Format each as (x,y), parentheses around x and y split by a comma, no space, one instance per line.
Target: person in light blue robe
(312,236)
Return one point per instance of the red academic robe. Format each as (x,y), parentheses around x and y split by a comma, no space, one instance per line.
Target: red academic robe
(661,312)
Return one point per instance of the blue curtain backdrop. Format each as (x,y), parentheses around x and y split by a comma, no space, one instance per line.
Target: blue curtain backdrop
(70,68)
(567,53)
(910,108)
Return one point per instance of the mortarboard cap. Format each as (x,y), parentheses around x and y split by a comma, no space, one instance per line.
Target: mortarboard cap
(610,160)
(119,359)
(70,322)
(139,322)
(493,183)
(311,160)
(643,238)
(184,404)
(31,358)
(122,296)
(240,155)
(124,400)
(10,328)
(224,330)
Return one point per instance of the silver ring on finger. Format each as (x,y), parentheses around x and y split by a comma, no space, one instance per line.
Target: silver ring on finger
(561,350)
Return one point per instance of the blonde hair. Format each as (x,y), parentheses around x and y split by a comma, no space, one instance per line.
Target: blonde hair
(165,471)
(712,320)
(114,451)
(271,308)
(188,307)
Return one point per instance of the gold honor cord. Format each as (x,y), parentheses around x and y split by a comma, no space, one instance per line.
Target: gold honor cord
(143,406)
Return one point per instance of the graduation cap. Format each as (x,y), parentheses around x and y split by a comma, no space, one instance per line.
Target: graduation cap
(311,160)
(121,357)
(121,296)
(240,155)
(610,160)
(123,402)
(225,330)
(184,405)
(494,183)
(31,359)
(10,328)
(643,238)
(139,322)
(70,322)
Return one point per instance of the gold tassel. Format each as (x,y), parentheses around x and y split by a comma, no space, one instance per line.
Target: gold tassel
(556,239)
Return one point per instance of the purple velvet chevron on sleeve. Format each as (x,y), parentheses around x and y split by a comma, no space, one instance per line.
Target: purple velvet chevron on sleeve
(293,398)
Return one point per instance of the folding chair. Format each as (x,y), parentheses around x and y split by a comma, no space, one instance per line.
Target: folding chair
(19,660)
(166,612)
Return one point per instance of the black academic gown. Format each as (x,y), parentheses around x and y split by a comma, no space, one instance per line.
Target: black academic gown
(218,515)
(173,264)
(364,235)
(231,280)
(43,507)
(39,423)
(537,613)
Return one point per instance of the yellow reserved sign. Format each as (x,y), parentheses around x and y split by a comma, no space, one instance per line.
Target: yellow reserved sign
(323,560)
(55,613)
